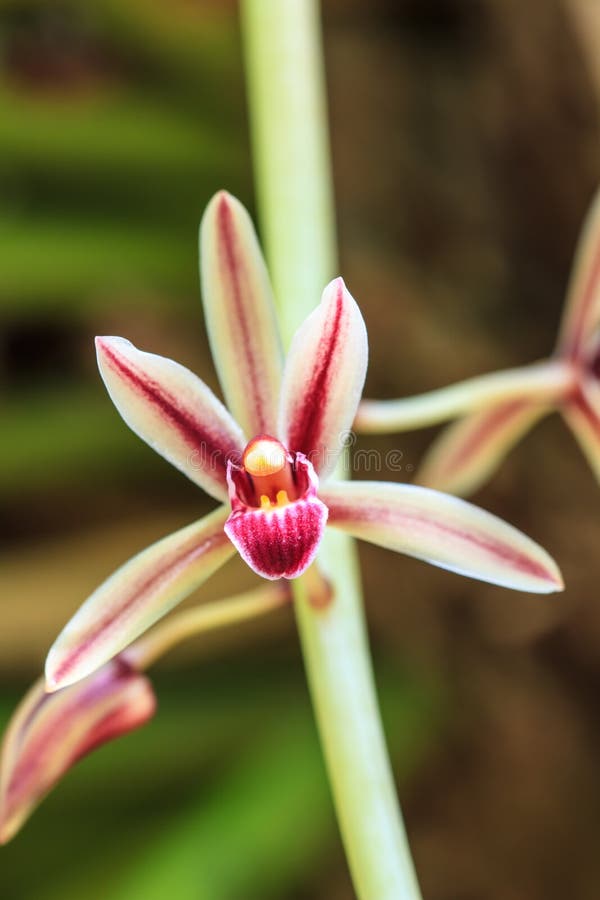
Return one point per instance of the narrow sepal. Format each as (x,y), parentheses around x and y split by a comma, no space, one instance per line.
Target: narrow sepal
(469,451)
(172,410)
(49,733)
(582,307)
(137,595)
(323,379)
(441,530)
(546,382)
(240,314)
(582,415)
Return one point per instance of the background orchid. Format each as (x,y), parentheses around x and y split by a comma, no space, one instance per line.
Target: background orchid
(496,410)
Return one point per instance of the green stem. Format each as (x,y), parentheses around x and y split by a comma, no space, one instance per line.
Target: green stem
(289,130)
(291,152)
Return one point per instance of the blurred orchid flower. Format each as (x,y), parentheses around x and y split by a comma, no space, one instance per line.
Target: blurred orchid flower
(50,732)
(496,410)
(276,489)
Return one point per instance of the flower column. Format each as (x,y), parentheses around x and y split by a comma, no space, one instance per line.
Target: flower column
(288,120)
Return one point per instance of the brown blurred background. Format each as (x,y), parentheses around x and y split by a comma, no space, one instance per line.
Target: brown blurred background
(466,148)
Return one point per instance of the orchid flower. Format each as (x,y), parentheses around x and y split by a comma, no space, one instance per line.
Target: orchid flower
(271,466)
(50,732)
(496,410)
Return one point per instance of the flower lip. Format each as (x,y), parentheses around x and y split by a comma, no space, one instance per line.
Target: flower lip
(277,520)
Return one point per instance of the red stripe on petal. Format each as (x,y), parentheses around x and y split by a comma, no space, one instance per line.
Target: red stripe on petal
(112,682)
(234,271)
(165,570)
(488,423)
(280,542)
(577,329)
(442,530)
(412,522)
(521,562)
(214,448)
(306,424)
(583,406)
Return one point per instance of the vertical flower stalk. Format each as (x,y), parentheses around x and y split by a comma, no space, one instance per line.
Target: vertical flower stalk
(291,156)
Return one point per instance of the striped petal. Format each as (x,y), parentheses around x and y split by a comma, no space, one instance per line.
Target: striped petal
(240,314)
(582,307)
(582,415)
(469,451)
(544,382)
(50,732)
(441,530)
(323,379)
(136,596)
(173,411)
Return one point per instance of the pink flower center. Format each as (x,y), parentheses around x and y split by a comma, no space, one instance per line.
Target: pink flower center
(276,520)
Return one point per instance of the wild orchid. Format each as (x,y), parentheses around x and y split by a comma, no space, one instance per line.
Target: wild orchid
(496,410)
(271,466)
(269,460)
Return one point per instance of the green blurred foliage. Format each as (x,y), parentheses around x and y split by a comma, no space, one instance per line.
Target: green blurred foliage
(112,135)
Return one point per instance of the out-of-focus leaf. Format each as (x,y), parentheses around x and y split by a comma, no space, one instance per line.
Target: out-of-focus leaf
(188,50)
(270,821)
(114,154)
(34,453)
(127,135)
(70,266)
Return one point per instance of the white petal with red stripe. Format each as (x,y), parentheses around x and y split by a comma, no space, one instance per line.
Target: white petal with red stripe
(582,414)
(50,732)
(240,314)
(323,379)
(469,451)
(173,411)
(441,530)
(137,595)
(545,382)
(582,306)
